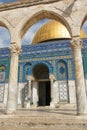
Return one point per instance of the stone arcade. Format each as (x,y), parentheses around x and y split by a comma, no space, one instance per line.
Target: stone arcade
(52,70)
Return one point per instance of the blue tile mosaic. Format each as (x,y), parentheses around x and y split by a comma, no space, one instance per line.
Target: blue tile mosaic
(45,53)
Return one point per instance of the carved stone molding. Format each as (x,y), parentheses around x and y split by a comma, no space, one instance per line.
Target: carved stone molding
(76,43)
(14,49)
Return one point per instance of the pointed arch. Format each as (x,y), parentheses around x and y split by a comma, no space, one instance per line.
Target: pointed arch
(6,27)
(41,71)
(5,23)
(50,67)
(37,15)
(83,20)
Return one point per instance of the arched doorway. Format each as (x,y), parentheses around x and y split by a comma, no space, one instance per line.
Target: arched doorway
(41,74)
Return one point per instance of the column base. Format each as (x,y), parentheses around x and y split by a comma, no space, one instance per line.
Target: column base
(81,114)
(10,112)
(54,105)
(27,105)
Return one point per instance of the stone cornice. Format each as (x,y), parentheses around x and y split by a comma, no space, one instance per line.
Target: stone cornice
(21,4)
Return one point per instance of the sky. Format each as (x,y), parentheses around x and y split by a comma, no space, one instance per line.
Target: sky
(27,39)
(84,27)
(6,1)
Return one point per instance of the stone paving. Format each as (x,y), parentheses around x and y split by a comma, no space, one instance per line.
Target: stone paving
(43,118)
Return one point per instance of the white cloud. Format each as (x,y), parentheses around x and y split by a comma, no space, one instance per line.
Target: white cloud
(28,37)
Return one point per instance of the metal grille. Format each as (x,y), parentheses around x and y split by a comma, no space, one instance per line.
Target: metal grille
(2,92)
(63,92)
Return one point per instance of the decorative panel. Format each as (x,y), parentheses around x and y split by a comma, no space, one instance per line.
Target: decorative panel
(1,92)
(70,69)
(63,91)
(62,70)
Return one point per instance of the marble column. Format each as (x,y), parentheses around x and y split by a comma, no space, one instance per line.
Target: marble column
(51,77)
(35,94)
(13,77)
(29,88)
(76,45)
(28,102)
(30,79)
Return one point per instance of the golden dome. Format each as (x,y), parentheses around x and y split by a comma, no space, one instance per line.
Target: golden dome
(82,34)
(53,30)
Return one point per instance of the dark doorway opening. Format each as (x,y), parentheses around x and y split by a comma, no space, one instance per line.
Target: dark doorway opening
(44,93)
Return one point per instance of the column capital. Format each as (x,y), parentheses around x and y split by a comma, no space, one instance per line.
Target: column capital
(76,43)
(52,77)
(29,77)
(14,49)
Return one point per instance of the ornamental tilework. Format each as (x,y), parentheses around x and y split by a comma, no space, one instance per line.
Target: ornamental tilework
(47,53)
(28,68)
(62,70)
(69,69)
(85,65)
